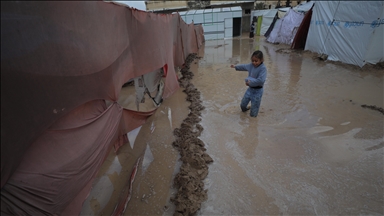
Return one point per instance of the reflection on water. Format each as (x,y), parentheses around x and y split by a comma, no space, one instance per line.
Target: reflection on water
(103,187)
(132,135)
(147,160)
(170,117)
(301,154)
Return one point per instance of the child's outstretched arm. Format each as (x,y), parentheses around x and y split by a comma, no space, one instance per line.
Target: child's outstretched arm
(240,67)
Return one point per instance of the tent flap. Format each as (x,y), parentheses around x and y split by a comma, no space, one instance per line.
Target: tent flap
(60,63)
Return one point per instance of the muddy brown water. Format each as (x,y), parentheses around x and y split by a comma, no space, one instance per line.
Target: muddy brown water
(313,149)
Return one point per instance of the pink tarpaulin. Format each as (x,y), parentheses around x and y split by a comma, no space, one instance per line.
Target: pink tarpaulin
(60,61)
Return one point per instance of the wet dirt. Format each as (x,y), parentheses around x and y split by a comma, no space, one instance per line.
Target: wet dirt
(194,168)
(312,150)
(379,109)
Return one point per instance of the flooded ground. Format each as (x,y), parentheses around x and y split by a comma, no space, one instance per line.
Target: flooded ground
(313,149)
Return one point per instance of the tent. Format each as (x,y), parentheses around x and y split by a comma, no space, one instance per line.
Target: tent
(348,31)
(285,29)
(301,8)
(266,17)
(270,28)
(282,11)
(304,7)
(63,65)
(302,32)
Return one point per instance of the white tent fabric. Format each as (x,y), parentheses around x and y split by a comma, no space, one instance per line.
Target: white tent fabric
(285,31)
(274,35)
(303,7)
(268,16)
(267,20)
(281,14)
(284,9)
(347,33)
(257,13)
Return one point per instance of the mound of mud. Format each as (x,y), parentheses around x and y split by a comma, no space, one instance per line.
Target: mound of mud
(288,50)
(189,181)
(373,107)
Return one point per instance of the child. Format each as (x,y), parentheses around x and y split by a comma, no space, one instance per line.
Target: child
(257,73)
(251,33)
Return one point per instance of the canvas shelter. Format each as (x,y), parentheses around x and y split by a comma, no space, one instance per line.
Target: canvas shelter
(285,29)
(348,31)
(61,62)
(282,11)
(280,14)
(265,19)
(304,7)
(288,21)
(217,23)
(302,32)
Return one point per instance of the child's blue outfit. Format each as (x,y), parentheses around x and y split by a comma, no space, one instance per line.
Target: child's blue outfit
(256,76)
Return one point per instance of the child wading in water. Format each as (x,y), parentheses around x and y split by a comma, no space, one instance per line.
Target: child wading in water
(257,73)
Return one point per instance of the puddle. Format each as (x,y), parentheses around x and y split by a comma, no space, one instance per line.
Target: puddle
(313,149)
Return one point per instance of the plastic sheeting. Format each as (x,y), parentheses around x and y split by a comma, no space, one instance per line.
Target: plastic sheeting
(348,31)
(60,61)
(285,30)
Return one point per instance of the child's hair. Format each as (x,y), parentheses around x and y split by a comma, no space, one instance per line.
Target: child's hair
(258,54)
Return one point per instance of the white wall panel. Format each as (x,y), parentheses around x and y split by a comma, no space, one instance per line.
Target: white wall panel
(214,17)
(223,15)
(237,14)
(198,18)
(188,18)
(220,26)
(228,23)
(210,27)
(210,37)
(228,32)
